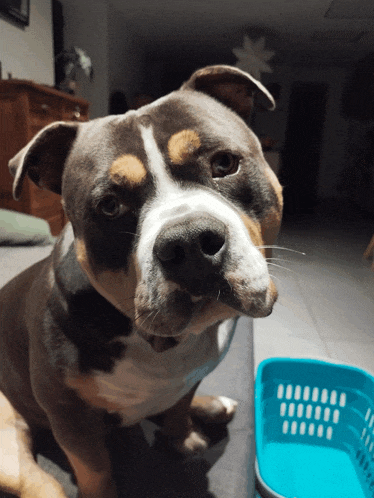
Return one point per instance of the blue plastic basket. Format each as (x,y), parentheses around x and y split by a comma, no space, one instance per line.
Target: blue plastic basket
(314,430)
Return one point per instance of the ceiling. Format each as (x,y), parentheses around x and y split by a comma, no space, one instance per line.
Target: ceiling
(301,32)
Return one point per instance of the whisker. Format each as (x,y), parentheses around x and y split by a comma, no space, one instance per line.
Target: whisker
(282,248)
(219,293)
(273,276)
(145,319)
(130,309)
(153,319)
(141,314)
(283,267)
(123,301)
(127,299)
(130,233)
(279,259)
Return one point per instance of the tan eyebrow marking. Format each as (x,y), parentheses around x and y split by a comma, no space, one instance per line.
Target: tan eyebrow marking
(127,169)
(182,145)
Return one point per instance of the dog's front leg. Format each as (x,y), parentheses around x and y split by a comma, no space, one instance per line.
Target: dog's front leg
(81,434)
(178,429)
(19,472)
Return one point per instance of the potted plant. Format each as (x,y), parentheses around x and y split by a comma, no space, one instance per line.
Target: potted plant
(71,62)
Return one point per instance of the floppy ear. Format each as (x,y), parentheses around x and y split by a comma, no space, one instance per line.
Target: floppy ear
(232,86)
(43,159)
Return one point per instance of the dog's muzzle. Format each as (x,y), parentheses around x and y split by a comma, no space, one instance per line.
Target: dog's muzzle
(192,253)
(201,270)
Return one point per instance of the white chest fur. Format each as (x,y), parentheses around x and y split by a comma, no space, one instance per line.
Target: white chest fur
(145,382)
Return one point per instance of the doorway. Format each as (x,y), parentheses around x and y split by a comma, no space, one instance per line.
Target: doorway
(302,149)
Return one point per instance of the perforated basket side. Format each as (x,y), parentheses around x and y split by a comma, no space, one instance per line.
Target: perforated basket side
(317,403)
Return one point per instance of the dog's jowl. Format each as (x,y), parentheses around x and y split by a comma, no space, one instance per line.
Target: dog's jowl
(169,207)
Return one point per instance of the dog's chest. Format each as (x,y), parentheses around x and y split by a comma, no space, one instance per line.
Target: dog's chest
(145,383)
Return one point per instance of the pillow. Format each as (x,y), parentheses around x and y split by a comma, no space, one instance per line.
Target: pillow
(23,229)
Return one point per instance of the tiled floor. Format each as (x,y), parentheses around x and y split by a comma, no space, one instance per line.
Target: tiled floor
(326,298)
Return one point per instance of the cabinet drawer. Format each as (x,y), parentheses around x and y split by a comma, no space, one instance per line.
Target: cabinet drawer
(44,109)
(38,122)
(25,108)
(47,205)
(43,203)
(44,104)
(56,223)
(74,112)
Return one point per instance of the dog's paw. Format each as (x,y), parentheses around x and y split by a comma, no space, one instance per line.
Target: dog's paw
(195,444)
(213,409)
(46,489)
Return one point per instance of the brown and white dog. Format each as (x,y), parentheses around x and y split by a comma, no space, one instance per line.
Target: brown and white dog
(169,207)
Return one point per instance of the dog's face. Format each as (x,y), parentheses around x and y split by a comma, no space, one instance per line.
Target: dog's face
(170,204)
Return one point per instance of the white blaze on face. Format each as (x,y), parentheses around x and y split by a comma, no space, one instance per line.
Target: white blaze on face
(172,203)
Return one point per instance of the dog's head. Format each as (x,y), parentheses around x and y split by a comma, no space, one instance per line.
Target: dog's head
(170,204)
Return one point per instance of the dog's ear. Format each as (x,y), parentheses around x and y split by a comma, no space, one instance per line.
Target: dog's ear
(43,158)
(232,86)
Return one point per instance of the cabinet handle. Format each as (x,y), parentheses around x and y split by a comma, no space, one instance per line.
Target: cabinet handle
(77,113)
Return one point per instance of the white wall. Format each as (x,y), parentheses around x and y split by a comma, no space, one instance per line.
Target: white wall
(117,58)
(28,53)
(95,26)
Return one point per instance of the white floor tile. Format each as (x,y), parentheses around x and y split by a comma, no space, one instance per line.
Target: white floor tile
(326,303)
(354,353)
(287,347)
(283,334)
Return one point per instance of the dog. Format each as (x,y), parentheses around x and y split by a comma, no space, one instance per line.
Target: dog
(369,252)
(169,207)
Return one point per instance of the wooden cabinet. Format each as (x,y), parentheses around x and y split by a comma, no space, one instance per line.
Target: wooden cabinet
(25,108)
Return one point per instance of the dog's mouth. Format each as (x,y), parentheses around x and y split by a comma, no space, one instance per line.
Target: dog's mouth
(166,323)
(158,343)
(164,330)
(166,313)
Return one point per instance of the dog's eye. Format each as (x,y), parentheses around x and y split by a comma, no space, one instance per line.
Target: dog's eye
(112,207)
(224,164)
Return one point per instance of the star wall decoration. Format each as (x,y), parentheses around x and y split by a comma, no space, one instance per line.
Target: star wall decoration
(253,57)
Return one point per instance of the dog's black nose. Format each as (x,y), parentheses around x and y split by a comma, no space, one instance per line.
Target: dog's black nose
(192,251)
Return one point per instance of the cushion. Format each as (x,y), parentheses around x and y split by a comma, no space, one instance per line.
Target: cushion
(23,229)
